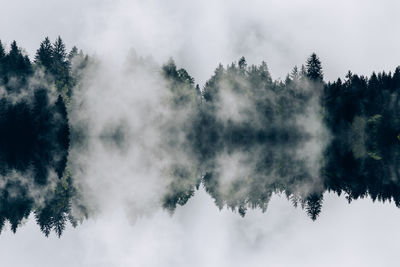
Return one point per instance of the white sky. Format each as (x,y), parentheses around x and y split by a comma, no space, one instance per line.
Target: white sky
(360,234)
(357,35)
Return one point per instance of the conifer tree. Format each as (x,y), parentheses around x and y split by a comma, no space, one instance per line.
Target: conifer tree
(44,55)
(2,51)
(242,64)
(16,65)
(294,75)
(73,53)
(60,65)
(2,60)
(264,73)
(314,68)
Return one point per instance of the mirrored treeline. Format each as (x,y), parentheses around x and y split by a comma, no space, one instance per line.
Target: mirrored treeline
(247,136)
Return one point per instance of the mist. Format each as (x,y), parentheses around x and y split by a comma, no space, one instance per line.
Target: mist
(199,35)
(144,180)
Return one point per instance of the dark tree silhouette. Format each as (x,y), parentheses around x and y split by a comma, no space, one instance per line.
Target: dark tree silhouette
(314,68)
(241,116)
(44,55)
(34,140)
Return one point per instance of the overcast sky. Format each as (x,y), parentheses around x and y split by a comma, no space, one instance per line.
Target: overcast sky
(360,234)
(357,35)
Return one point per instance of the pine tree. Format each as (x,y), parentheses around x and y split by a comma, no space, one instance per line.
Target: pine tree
(396,79)
(294,75)
(242,64)
(13,59)
(2,62)
(211,88)
(314,205)
(373,98)
(169,70)
(73,53)
(184,77)
(60,65)
(264,73)
(2,51)
(17,65)
(303,72)
(44,55)
(314,68)
(59,51)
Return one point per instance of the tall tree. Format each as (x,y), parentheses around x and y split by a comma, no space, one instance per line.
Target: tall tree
(59,51)
(16,65)
(2,59)
(295,75)
(61,66)
(314,68)
(242,65)
(73,53)
(2,51)
(44,55)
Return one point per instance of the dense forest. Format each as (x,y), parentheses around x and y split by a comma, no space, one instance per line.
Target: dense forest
(35,136)
(241,120)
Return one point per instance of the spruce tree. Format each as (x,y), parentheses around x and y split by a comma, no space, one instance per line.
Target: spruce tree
(295,75)
(2,51)
(73,53)
(44,55)
(60,65)
(242,63)
(314,68)
(2,61)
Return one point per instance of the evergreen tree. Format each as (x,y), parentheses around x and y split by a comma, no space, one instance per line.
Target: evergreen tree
(73,53)
(59,51)
(372,101)
(294,75)
(2,61)
(15,60)
(314,68)
(303,72)
(314,205)
(60,65)
(211,88)
(169,70)
(264,73)
(396,80)
(242,66)
(44,55)
(16,65)
(2,51)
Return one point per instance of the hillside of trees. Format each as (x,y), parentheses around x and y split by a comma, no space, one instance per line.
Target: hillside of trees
(243,130)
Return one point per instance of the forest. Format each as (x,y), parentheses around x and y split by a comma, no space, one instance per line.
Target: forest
(240,117)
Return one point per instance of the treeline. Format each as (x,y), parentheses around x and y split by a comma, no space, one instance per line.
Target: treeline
(363,157)
(261,135)
(35,134)
(244,133)
(249,122)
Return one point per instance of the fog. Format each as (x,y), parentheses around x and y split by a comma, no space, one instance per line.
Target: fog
(121,105)
(357,35)
(201,235)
